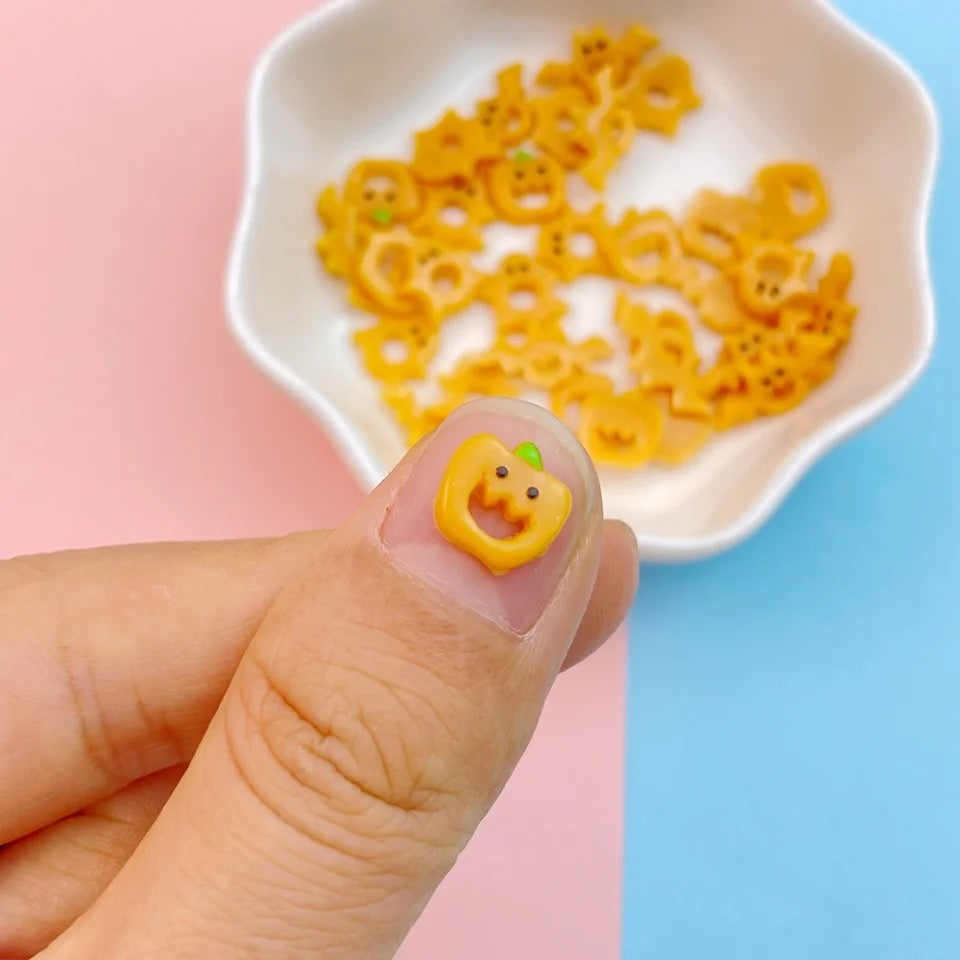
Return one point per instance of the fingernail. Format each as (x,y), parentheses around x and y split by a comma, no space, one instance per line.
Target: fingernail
(518,597)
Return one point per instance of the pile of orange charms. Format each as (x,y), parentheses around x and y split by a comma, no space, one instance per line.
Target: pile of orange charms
(403,235)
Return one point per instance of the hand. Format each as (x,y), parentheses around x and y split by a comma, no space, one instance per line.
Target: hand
(277,749)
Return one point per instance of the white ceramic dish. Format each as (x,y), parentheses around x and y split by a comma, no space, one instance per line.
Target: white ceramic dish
(781,79)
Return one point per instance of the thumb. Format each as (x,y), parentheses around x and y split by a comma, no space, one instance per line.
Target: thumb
(376,715)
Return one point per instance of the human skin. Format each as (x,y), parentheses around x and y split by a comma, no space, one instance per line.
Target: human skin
(278,748)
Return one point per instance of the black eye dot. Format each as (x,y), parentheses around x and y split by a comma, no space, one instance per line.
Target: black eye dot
(761,286)
(601,44)
(558,237)
(519,174)
(391,197)
(587,49)
(757,338)
(780,372)
(775,291)
(542,170)
(368,194)
(766,381)
(502,472)
(744,347)
(533,493)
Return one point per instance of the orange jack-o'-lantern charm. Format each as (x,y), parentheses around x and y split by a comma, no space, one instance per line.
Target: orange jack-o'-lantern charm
(483,470)
(383,192)
(620,430)
(528,189)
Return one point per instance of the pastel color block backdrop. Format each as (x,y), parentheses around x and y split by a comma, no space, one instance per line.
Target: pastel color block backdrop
(793,720)
(793,761)
(128,412)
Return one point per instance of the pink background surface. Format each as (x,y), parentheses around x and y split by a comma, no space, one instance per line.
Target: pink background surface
(129,414)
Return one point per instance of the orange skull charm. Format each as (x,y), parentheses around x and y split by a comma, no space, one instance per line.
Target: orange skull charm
(770,276)
(776,386)
(483,470)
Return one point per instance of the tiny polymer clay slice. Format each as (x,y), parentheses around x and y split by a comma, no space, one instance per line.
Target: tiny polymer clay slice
(770,276)
(452,149)
(527,189)
(646,248)
(663,93)
(522,295)
(613,129)
(383,193)
(397,350)
(454,214)
(620,430)
(441,281)
(595,50)
(720,228)
(792,199)
(682,438)
(483,472)
(508,117)
(576,244)
(562,127)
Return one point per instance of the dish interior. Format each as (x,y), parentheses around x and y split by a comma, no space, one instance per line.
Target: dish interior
(779,82)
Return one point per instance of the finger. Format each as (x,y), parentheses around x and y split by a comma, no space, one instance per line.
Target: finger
(49,878)
(614,592)
(113,660)
(376,715)
(112,663)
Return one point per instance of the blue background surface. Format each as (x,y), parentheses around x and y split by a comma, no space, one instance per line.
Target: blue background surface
(793,778)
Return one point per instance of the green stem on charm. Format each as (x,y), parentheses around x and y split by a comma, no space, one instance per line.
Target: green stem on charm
(531,453)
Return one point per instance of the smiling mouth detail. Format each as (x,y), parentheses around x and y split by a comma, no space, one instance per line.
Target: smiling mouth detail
(524,503)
